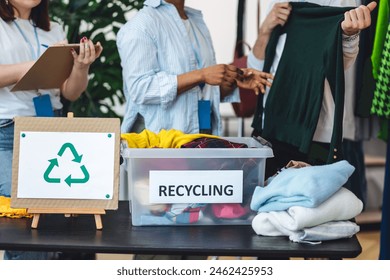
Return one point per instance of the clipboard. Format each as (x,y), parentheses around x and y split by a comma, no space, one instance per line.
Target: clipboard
(51,69)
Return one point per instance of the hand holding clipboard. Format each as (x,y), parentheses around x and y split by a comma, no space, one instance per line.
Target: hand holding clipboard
(52,68)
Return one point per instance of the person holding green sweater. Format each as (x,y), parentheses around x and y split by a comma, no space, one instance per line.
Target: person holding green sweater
(307,46)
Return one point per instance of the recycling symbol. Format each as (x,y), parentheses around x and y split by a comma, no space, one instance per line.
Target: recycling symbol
(54,163)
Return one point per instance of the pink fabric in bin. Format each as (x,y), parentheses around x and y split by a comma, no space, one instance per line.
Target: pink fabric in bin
(229,210)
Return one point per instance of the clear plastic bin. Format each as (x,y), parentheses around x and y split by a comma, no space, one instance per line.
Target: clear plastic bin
(210,186)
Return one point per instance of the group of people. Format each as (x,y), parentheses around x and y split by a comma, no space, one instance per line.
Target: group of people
(170,74)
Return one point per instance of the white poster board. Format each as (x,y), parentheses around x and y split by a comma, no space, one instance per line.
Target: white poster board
(69,168)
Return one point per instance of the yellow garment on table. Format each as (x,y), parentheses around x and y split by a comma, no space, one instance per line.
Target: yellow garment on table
(7,211)
(164,139)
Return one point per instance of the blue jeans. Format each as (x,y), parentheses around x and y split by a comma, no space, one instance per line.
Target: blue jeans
(6,150)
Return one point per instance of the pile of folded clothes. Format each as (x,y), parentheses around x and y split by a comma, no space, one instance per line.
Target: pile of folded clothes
(308,204)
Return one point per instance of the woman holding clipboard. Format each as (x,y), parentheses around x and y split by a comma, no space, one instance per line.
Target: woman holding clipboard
(25,28)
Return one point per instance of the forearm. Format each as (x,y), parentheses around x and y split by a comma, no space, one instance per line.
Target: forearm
(189,80)
(194,78)
(11,73)
(261,44)
(76,84)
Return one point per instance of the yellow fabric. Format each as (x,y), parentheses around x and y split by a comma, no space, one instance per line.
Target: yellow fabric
(164,139)
(7,211)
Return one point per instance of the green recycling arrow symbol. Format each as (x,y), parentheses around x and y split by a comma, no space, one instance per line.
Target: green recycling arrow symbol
(69,180)
(77,157)
(53,162)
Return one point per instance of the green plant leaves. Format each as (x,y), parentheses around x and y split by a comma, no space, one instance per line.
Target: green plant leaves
(98,20)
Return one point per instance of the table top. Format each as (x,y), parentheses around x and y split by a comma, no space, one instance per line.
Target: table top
(56,232)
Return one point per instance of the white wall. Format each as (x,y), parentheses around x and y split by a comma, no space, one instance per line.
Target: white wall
(221,18)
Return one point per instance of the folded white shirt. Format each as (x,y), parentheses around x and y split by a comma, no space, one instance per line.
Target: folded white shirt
(342,205)
(324,232)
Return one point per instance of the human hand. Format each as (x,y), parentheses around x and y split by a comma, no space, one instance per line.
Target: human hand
(255,80)
(221,74)
(229,83)
(277,16)
(224,76)
(357,19)
(87,54)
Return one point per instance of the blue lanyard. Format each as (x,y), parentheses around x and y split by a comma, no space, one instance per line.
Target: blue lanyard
(34,57)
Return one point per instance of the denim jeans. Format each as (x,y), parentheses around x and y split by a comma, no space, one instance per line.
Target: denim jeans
(6,151)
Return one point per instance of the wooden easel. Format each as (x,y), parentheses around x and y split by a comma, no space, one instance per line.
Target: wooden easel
(68,207)
(67,212)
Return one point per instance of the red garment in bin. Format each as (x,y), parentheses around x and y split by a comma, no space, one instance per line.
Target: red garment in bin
(229,211)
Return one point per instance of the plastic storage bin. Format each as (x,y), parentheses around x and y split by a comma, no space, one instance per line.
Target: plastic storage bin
(193,186)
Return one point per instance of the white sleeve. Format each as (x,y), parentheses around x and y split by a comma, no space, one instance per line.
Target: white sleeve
(350,49)
(255,63)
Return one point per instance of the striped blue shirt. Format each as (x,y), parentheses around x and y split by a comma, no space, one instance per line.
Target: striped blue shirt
(154,48)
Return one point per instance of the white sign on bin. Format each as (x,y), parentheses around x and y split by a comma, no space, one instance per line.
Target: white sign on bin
(195,186)
(66,165)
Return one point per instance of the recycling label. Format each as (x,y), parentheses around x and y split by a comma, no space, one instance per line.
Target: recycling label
(66,165)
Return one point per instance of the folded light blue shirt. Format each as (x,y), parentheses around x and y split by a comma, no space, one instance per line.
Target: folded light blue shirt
(306,187)
(155,48)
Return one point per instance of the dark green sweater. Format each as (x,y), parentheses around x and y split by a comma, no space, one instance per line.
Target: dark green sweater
(312,52)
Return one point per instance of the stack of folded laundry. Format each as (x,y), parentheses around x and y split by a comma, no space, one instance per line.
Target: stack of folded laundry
(308,204)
